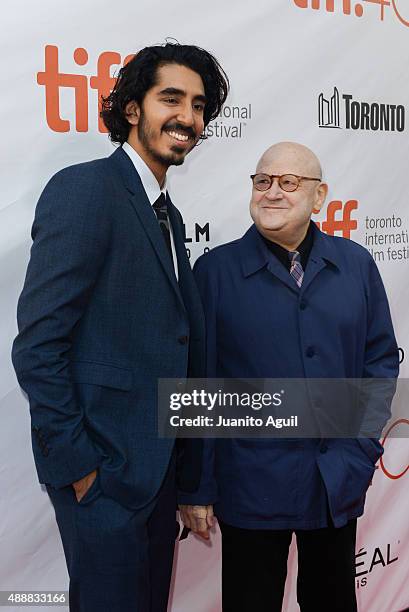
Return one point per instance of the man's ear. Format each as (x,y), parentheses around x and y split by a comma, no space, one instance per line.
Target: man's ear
(320,196)
(132,112)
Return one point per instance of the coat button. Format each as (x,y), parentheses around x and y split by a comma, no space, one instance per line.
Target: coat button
(323,448)
(46,452)
(303,305)
(183,339)
(310,352)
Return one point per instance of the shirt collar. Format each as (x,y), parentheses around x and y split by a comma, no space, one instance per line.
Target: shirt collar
(148,179)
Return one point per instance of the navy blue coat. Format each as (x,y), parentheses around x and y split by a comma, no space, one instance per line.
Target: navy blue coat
(261,325)
(101,318)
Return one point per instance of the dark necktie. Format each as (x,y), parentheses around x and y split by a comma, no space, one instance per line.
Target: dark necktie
(296,269)
(161,210)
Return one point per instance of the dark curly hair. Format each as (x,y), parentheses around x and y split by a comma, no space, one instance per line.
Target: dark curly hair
(139,75)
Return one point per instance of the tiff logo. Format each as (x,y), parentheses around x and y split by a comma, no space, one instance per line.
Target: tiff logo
(328,110)
(358,8)
(342,223)
(53,80)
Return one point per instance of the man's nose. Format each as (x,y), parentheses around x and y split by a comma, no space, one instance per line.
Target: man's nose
(275,190)
(185,115)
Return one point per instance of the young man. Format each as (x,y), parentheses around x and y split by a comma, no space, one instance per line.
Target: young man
(287,301)
(109,306)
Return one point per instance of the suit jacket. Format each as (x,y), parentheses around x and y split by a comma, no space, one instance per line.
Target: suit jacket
(101,318)
(261,325)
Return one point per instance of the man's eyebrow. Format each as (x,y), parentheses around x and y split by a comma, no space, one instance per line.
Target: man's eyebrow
(174,91)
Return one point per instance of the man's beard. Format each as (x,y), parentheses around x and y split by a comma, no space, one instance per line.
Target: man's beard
(145,135)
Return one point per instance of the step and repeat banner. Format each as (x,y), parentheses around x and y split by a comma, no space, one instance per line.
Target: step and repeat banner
(331,74)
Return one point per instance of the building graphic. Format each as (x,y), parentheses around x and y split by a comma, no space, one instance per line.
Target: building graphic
(328,110)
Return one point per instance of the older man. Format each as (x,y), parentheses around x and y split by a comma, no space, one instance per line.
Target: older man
(287,301)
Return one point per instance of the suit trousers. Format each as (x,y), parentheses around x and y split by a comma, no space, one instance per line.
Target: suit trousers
(118,559)
(254,568)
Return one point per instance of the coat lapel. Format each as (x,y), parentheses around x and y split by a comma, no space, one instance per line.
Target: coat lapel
(255,256)
(314,266)
(276,267)
(322,255)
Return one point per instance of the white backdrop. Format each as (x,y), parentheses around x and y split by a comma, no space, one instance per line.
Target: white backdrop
(280,56)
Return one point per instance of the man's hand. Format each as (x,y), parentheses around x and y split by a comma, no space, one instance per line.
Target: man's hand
(82,486)
(198,518)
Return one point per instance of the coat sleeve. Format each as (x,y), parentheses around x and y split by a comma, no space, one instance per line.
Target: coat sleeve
(206,279)
(71,234)
(381,351)
(381,364)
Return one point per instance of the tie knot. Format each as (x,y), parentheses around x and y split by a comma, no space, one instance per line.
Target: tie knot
(160,203)
(293,256)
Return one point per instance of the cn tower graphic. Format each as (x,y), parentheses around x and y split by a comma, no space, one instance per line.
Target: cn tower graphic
(328,110)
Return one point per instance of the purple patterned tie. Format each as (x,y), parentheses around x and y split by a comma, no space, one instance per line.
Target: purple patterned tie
(296,270)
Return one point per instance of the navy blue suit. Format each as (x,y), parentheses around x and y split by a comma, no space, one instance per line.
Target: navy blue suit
(261,325)
(101,318)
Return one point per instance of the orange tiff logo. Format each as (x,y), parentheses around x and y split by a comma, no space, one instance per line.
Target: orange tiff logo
(341,223)
(329,5)
(52,79)
(347,5)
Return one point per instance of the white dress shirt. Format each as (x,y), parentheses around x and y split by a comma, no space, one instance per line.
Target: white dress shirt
(152,189)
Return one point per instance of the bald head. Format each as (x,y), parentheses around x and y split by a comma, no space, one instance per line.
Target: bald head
(290,158)
(281,215)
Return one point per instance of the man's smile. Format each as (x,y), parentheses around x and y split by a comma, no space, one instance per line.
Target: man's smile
(179,133)
(178,136)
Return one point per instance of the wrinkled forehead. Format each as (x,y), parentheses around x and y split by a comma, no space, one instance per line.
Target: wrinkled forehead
(289,160)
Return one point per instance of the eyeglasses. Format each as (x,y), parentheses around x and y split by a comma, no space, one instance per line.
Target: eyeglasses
(287,182)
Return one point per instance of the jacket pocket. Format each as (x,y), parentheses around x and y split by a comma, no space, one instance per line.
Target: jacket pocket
(101,374)
(93,492)
(357,475)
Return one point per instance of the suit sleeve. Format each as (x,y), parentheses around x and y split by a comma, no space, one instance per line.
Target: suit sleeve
(381,366)
(71,234)
(206,279)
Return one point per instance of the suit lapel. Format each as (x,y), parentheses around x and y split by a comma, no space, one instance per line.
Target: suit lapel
(142,207)
(189,290)
(183,261)
(185,271)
